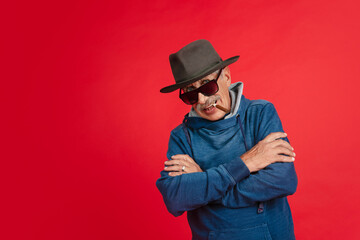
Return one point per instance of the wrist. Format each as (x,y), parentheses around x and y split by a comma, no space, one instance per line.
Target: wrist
(247,162)
(250,167)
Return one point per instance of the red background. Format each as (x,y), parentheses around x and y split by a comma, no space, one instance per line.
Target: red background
(84,127)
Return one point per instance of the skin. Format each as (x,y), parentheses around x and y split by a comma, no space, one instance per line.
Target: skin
(270,150)
(223,82)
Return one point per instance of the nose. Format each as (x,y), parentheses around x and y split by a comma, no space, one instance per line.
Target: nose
(201,98)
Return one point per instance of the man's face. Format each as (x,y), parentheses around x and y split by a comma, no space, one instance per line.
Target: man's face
(212,113)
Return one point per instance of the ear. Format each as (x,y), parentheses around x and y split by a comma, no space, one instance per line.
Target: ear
(227,75)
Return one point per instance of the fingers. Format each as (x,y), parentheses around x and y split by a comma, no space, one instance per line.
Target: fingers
(282,158)
(275,135)
(175,165)
(182,157)
(286,151)
(176,162)
(174,174)
(282,143)
(177,168)
(180,164)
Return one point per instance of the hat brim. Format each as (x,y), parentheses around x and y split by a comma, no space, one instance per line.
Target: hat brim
(222,64)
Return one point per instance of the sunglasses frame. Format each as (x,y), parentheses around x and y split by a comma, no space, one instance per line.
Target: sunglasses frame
(197,90)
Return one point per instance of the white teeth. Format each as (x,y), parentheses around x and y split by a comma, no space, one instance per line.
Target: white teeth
(208,108)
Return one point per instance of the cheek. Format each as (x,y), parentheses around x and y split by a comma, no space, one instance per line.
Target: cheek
(224,94)
(225,97)
(223,87)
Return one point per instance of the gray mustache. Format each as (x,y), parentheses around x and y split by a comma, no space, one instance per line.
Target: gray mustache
(210,101)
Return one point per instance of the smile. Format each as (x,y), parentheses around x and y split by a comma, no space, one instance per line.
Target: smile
(210,108)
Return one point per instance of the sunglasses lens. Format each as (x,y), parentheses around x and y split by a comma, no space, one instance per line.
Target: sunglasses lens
(189,97)
(209,88)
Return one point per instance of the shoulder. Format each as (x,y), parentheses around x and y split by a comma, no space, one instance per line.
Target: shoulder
(262,118)
(259,106)
(179,143)
(257,111)
(260,103)
(178,133)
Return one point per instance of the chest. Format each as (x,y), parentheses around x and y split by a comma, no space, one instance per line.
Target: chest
(213,148)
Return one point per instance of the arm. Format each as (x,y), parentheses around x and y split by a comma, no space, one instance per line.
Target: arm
(190,191)
(276,180)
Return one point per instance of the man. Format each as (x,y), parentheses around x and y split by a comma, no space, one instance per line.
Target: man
(229,165)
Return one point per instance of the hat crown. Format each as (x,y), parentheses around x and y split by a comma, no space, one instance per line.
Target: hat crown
(192,60)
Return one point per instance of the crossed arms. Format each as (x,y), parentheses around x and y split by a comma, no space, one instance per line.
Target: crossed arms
(265,172)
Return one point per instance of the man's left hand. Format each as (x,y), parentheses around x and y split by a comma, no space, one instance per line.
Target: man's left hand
(180,164)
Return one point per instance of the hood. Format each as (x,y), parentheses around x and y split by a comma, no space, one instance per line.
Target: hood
(238,106)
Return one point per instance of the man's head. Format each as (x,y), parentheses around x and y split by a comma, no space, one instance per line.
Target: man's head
(212,88)
(192,67)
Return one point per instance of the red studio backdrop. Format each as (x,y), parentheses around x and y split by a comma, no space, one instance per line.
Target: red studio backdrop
(84,128)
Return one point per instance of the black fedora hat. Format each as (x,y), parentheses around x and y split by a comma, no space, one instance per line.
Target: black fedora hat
(193,62)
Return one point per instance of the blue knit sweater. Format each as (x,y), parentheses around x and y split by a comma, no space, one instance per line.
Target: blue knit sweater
(226,201)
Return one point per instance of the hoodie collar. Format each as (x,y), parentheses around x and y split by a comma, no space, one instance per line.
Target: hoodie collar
(238,105)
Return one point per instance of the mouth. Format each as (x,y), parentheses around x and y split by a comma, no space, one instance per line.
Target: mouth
(210,108)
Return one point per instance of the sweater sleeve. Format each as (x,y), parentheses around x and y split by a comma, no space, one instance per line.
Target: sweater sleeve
(276,180)
(190,191)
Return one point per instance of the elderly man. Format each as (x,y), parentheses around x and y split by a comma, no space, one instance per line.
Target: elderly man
(230,165)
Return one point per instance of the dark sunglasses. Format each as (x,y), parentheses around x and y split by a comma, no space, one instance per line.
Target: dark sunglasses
(208,89)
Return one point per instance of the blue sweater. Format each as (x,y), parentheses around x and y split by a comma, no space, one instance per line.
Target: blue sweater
(226,201)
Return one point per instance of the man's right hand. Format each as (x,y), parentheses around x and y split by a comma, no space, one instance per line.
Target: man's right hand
(270,150)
